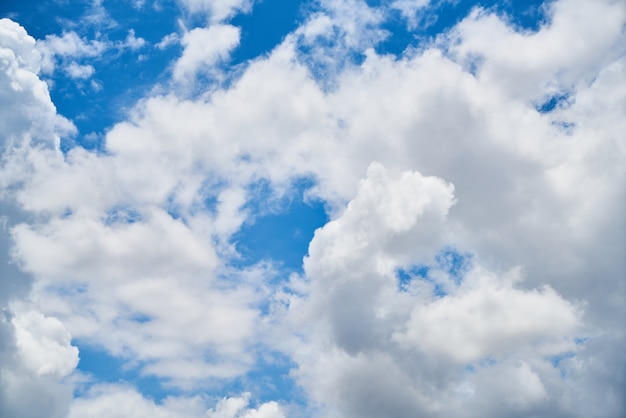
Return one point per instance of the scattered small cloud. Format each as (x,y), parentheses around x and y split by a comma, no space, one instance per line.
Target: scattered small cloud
(78,71)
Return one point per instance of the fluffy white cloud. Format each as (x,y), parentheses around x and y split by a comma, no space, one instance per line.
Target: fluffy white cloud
(580,38)
(132,42)
(115,400)
(361,325)
(68,45)
(383,216)
(75,70)
(44,344)
(35,350)
(204,47)
(491,319)
(66,50)
(237,408)
(29,115)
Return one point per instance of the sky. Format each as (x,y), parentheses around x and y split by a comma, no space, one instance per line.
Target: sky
(312,209)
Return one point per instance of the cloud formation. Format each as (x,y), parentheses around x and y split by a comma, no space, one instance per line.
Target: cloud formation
(471,264)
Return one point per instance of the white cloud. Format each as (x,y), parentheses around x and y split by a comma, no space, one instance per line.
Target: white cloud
(168,310)
(17,44)
(44,344)
(356,323)
(491,319)
(386,214)
(170,39)
(409,9)
(67,50)
(35,350)
(78,71)
(116,400)
(26,395)
(218,10)
(31,116)
(331,36)
(237,407)
(68,45)
(204,47)
(132,42)
(582,36)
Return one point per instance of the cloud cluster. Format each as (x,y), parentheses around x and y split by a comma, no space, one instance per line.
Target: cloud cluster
(204,47)
(69,50)
(106,400)
(444,340)
(471,265)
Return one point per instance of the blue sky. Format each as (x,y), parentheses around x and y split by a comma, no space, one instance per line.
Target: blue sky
(329,208)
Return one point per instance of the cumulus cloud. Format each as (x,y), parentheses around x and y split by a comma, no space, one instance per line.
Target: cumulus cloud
(430,344)
(204,47)
(31,115)
(78,71)
(35,350)
(106,400)
(68,45)
(44,344)
(491,320)
(68,50)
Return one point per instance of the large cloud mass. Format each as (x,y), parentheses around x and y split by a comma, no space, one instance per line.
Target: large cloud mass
(473,260)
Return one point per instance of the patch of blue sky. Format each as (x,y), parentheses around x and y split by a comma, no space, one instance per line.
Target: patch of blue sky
(266,26)
(487,362)
(42,17)
(323,60)
(555,101)
(454,263)
(67,213)
(174,209)
(124,76)
(529,15)
(441,15)
(269,380)
(68,289)
(406,276)
(281,232)
(556,361)
(483,363)
(123,215)
(419,272)
(106,368)
(564,126)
